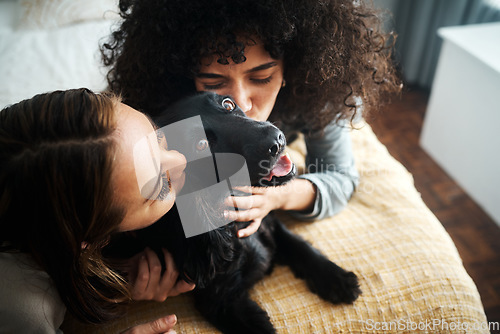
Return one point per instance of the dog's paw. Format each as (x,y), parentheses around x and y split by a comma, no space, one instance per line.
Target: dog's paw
(335,285)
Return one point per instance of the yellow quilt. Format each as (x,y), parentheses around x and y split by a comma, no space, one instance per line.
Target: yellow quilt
(410,272)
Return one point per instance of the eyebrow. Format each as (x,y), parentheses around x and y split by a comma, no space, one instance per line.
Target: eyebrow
(262,67)
(252,70)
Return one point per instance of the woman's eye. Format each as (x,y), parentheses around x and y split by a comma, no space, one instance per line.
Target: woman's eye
(228,104)
(263,81)
(202,145)
(212,86)
(165,187)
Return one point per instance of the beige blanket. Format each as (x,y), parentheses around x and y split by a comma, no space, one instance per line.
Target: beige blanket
(410,272)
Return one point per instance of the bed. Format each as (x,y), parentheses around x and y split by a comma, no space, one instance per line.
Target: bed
(410,272)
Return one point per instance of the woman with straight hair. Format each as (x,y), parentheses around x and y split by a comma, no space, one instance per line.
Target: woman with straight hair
(68,183)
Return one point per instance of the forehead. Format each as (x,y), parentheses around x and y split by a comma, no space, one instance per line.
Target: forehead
(133,130)
(132,126)
(255,55)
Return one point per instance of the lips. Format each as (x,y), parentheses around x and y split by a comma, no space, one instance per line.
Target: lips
(283,167)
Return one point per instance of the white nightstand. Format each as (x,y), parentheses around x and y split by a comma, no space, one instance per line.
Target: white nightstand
(461,129)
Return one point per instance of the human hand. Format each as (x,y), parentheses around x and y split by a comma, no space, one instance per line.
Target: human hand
(147,281)
(160,325)
(298,195)
(252,208)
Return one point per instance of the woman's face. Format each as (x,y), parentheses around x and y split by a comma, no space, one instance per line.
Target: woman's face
(254,84)
(146,176)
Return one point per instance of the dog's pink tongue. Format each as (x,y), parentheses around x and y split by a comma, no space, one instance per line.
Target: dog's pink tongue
(282,168)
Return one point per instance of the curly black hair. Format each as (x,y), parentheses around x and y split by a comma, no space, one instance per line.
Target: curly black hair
(334,54)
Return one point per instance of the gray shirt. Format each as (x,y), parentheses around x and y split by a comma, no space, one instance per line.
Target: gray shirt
(330,167)
(29,302)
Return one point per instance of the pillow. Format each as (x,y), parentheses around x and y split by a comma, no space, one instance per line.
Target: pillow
(47,14)
(38,61)
(9,14)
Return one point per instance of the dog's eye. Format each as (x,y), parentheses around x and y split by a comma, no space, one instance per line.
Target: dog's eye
(228,104)
(202,145)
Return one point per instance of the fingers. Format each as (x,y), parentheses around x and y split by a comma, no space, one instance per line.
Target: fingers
(249,208)
(150,284)
(257,205)
(142,279)
(154,271)
(241,202)
(251,190)
(148,276)
(170,281)
(250,229)
(181,287)
(160,325)
(244,215)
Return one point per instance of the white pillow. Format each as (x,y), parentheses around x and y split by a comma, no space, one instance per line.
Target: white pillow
(46,14)
(37,61)
(9,14)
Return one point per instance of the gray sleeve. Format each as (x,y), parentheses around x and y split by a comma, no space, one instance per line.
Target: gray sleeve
(29,303)
(330,167)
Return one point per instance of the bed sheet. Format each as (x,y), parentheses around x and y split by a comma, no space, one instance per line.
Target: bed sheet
(410,271)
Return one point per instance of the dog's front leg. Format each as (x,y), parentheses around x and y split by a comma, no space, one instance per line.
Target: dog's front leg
(233,313)
(322,276)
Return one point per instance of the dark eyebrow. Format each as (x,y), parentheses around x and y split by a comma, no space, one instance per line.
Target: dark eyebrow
(262,67)
(252,70)
(208,75)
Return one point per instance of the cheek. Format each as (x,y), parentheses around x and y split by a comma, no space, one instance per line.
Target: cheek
(267,100)
(162,207)
(198,85)
(165,205)
(145,217)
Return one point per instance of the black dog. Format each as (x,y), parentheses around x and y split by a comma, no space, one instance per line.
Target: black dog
(223,266)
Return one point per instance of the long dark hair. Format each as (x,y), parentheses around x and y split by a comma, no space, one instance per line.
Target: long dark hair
(337,60)
(56,161)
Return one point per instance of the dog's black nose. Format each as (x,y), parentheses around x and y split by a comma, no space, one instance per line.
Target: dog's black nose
(275,149)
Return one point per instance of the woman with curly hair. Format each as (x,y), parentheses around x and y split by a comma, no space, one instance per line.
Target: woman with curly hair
(68,183)
(307,66)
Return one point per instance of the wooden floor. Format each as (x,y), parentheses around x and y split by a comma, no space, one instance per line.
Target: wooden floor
(475,234)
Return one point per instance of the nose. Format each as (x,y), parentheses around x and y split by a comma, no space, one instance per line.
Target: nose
(174,162)
(277,144)
(243,97)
